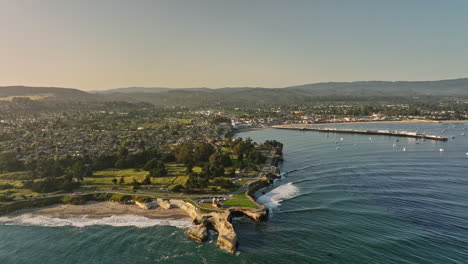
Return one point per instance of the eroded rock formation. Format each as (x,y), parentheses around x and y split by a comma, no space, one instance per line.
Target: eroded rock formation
(218,221)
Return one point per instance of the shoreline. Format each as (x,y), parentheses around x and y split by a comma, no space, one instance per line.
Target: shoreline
(241,130)
(96,209)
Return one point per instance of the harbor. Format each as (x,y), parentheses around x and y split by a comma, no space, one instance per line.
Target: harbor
(366,132)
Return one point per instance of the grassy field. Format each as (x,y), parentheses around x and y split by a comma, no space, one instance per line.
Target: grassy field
(16,180)
(240,200)
(182,120)
(103,179)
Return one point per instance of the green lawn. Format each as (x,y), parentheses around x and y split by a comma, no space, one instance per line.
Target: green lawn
(240,200)
(103,179)
(182,120)
(21,175)
(16,179)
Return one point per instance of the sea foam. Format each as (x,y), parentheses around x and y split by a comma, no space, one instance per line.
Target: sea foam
(84,221)
(274,198)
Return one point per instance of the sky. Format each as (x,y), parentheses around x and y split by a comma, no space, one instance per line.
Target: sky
(103,44)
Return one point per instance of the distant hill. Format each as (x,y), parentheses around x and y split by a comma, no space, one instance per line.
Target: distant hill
(455,87)
(302,94)
(45,93)
(144,90)
(369,91)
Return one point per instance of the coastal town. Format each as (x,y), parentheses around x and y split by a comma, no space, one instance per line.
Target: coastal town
(165,157)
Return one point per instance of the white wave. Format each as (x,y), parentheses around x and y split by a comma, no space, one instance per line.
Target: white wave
(274,198)
(84,221)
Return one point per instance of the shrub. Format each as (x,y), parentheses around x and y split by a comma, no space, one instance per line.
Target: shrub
(75,200)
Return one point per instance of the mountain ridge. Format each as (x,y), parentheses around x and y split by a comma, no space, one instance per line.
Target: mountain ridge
(360,91)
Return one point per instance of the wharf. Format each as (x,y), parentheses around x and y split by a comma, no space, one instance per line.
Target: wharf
(366,132)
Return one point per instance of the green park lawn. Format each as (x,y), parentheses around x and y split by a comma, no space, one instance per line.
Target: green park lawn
(16,180)
(103,179)
(240,200)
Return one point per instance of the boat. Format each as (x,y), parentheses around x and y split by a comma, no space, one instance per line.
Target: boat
(442,150)
(404,149)
(341,139)
(337,148)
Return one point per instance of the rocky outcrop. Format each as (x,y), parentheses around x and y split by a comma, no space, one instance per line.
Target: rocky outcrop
(198,232)
(166,204)
(218,221)
(147,206)
(257,215)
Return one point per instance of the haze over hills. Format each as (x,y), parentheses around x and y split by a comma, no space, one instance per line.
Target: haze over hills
(301,94)
(441,87)
(45,93)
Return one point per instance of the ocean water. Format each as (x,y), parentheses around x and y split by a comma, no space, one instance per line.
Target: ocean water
(367,201)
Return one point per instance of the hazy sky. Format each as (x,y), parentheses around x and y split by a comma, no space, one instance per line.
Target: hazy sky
(99,44)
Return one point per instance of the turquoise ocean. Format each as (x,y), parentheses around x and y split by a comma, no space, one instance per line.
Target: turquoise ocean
(343,199)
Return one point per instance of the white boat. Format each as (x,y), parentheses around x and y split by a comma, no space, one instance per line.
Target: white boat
(341,139)
(404,149)
(442,150)
(337,148)
(394,145)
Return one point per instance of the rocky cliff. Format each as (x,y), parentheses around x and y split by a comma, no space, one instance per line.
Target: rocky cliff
(219,221)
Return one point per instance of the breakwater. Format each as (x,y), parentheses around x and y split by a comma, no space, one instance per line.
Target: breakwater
(366,132)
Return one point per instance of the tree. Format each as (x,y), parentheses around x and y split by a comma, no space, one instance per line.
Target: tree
(136,184)
(189,169)
(121,163)
(122,180)
(153,164)
(104,162)
(184,154)
(146,181)
(78,170)
(123,151)
(9,162)
(158,172)
(178,188)
(114,181)
(202,152)
(220,159)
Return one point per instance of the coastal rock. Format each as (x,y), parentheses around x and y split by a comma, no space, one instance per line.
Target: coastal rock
(218,221)
(227,237)
(198,233)
(166,204)
(257,215)
(147,206)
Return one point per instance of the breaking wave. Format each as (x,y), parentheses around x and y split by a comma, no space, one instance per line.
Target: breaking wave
(84,221)
(274,198)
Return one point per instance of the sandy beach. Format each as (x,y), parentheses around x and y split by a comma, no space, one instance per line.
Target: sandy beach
(103,209)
